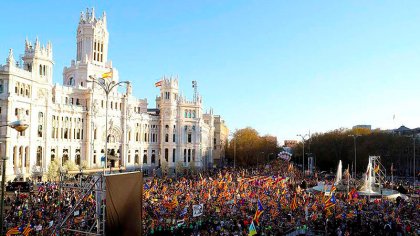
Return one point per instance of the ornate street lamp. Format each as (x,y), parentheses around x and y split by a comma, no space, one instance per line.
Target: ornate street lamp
(107,86)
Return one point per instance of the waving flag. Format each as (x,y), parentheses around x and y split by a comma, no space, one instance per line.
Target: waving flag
(27,230)
(330,202)
(107,75)
(293,206)
(158,84)
(259,212)
(13,231)
(376,169)
(252,229)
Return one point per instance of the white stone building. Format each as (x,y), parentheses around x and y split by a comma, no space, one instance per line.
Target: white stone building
(67,122)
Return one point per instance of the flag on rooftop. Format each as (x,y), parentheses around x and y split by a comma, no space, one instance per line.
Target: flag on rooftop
(158,84)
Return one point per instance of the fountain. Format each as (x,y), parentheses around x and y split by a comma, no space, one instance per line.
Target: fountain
(369,179)
(339,175)
(372,181)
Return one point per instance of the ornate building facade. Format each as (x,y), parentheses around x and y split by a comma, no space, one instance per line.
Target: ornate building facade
(67,122)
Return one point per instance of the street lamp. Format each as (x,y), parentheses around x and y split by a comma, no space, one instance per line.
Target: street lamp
(107,86)
(234,149)
(355,153)
(19,126)
(303,151)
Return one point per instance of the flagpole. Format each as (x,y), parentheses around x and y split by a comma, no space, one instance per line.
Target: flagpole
(392,174)
(348,178)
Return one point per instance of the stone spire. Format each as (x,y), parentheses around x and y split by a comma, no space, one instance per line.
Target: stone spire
(10,58)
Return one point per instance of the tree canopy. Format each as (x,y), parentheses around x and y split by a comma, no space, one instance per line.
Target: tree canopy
(330,147)
(251,148)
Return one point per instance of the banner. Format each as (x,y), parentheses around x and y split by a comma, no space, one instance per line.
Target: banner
(123,207)
(198,210)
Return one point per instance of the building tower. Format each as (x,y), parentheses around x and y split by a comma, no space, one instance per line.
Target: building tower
(168,118)
(92,38)
(38,60)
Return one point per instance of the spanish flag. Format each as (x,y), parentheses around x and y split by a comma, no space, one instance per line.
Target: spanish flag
(107,75)
(158,84)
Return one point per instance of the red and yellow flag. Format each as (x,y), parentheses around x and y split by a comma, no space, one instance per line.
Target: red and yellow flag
(107,75)
(158,84)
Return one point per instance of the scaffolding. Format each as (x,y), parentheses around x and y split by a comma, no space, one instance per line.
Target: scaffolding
(379,171)
(89,185)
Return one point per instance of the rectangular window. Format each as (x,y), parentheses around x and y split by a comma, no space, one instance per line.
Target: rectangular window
(189,138)
(173,155)
(40,131)
(166,154)
(173,138)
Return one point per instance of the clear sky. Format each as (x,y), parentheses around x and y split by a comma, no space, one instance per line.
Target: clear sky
(282,67)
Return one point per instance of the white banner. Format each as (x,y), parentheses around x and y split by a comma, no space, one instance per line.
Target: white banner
(198,210)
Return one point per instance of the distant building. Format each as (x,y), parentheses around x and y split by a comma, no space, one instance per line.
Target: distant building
(221,133)
(368,127)
(290,143)
(402,130)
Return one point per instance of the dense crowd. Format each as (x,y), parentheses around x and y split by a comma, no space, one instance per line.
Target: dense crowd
(271,198)
(41,211)
(230,199)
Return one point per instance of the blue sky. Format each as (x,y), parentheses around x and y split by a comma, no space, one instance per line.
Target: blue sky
(282,67)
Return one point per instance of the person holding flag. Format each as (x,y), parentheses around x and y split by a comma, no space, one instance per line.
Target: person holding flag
(259,212)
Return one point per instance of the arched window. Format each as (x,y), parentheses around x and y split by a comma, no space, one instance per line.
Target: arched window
(193,114)
(185,114)
(40,69)
(145,157)
(77,157)
(65,157)
(189,114)
(39,156)
(166,155)
(153,158)
(27,157)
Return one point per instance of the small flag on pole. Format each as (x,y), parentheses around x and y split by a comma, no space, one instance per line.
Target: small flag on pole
(107,75)
(158,84)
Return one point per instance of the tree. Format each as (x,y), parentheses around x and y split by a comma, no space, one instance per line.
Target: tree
(179,168)
(335,145)
(53,170)
(251,148)
(164,166)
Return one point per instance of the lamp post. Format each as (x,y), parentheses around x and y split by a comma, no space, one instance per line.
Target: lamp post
(355,153)
(18,126)
(234,149)
(414,161)
(107,86)
(303,151)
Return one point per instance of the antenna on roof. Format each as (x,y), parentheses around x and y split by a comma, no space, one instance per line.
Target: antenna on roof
(195,87)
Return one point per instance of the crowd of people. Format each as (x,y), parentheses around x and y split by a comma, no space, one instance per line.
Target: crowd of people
(269,200)
(40,212)
(274,200)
